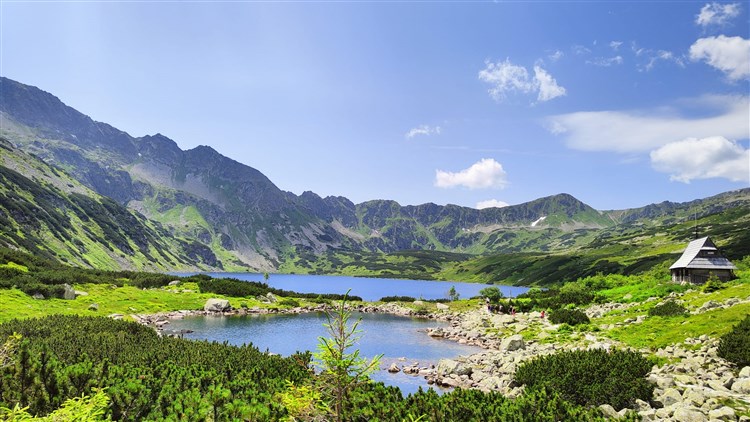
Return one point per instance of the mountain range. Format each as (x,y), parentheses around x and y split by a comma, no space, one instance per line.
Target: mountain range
(90,194)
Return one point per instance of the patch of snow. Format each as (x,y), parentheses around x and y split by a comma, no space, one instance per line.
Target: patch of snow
(539,220)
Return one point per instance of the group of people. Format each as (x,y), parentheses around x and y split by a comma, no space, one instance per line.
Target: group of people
(498,309)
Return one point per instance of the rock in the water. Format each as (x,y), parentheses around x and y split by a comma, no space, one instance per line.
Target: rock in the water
(513,343)
(394,368)
(216,305)
(69,293)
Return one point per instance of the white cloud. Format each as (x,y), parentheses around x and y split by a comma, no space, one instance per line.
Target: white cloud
(606,61)
(486,173)
(423,130)
(491,203)
(717,14)
(506,77)
(646,130)
(731,55)
(580,50)
(707,158)
(557,55)
(547,85)
(615,45)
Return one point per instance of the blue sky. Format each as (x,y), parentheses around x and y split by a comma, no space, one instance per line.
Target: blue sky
(620,104)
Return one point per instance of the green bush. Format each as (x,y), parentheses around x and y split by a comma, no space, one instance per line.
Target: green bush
(590,377)
(668,308)
(397,299)
(735,345)
(288,301)
(568,316)
(712,285)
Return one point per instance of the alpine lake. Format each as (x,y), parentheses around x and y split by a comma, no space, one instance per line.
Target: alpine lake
(397,338)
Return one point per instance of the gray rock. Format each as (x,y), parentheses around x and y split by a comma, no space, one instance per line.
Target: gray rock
(69,293)
(418,302)
(609,411)
(271,297)
(741,386)
(745,372)
(670,397)
(81,293)
(724,413)
(216,305)
(512,343)
(94,307)
(695,397)
(442,306)
(174,282)
(115,316)
(684,414)
(38,296)
(394,368)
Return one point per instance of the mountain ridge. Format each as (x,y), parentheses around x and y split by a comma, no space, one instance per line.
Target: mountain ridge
(251,223)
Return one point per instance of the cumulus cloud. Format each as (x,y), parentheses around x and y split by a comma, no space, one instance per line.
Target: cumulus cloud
(615,45)
(506,77)
(706,158)
(717,14)
(484,174)
(547,85)
(423,130)
(731,55)
(646,130)
(491,203)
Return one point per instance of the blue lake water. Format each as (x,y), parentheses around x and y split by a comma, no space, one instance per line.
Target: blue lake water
(399,339)
(369,289)
(395,337)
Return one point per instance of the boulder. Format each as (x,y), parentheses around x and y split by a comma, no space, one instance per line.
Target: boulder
(512,343)
(216,305)
(394,368)
(94,307)
(38,296)
(741,386)
(442,306)
(670,397)
(724,413)
(447,367)
(81,293)
(684,414)
(174,282)
(271,297)
(69,293)
(609,411)
(745,372)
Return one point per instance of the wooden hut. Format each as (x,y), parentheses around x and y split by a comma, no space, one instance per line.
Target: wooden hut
(701,260)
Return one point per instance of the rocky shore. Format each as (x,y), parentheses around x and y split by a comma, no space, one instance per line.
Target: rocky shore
(696,384)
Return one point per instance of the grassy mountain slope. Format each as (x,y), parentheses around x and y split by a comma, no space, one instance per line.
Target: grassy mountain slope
(45,211)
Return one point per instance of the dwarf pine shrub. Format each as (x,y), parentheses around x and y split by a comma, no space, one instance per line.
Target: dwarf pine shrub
(735,345)
(590,377)
(668,308)
(568,316)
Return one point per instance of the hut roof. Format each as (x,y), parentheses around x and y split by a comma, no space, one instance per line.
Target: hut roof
(690,258)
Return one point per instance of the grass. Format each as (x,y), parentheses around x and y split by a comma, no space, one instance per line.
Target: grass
(656,332)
